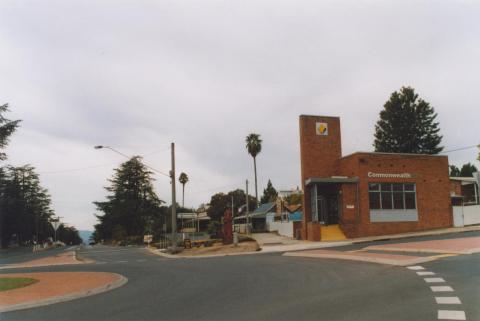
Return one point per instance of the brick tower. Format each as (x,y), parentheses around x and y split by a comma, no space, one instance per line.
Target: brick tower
(320,150)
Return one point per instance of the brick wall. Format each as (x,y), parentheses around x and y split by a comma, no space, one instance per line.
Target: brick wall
(432,184)
(456,188)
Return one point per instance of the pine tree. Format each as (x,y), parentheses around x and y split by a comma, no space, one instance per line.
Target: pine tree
(132,205)
(454,171)
(467,170)
(25,206)
(7,128)
(407,125)
(269,194)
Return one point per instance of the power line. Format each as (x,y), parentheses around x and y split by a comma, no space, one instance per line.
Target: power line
(458,149)
(156,151)
(129,157)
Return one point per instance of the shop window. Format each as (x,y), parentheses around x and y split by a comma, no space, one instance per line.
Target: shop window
(392,196)
(386,196)
(375,201)
(410,201)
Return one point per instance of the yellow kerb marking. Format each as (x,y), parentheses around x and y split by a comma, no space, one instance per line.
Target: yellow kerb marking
(441,256)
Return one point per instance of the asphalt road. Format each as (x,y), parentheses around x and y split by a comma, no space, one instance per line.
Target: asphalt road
(23,254)
(261,287)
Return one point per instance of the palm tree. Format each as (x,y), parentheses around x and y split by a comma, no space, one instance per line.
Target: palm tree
(254,147)
(183,179)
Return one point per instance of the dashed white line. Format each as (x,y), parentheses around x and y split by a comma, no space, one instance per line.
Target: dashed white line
(442,314)
(434,280)
(447,300)
(422,273)
(121,261)
(415,268)
(100,262)
(451,315)
(441,288)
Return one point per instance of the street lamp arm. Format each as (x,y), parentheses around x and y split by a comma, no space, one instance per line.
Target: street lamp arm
(129,157)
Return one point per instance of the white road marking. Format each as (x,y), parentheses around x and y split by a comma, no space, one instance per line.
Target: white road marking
(141,260)
(121,261)
(101,263)
(447,300)
(434,280)
(441,288)
(422,273)
(451,315)
(415,268)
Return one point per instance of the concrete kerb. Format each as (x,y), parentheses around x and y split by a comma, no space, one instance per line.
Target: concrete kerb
(82,260)
(424,250)
(179,256)
(72,296)
(363,259)
(452,230)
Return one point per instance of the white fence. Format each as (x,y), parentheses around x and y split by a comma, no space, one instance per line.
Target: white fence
(283,228)
(466,215)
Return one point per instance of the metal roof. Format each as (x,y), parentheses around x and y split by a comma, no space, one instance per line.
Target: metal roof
(260,212)
(398,154)
(264,208)
(464,179)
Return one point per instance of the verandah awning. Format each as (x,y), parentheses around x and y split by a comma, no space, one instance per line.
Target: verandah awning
(344,180)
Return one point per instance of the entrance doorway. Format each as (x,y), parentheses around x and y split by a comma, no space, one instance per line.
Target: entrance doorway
(328,209)
(325,203)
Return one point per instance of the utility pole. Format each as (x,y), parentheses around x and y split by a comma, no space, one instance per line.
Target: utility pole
(174,202)
(247,214)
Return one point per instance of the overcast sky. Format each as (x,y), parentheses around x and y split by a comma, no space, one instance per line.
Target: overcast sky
(137,75)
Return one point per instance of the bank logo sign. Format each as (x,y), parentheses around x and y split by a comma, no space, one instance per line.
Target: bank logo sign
(322,129)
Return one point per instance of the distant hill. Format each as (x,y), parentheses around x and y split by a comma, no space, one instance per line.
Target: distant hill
(85,235)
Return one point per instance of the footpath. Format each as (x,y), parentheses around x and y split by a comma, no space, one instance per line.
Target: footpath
(270,242)
(404,253)
(68,257)
(274,243)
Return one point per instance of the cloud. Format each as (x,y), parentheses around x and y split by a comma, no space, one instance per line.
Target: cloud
(139,75)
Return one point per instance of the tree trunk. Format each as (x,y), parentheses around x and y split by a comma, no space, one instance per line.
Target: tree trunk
(255,171)
(183,195)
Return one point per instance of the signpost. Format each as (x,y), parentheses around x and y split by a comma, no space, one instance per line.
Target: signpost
(148,238)
(55,225)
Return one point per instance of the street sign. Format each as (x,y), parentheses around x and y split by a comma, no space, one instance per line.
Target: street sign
(55,224)
(147,238)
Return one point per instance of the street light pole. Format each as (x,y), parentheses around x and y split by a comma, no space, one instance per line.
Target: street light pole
(247,214)
(174,201)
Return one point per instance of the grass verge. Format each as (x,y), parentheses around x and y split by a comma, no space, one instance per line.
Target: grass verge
(14,283)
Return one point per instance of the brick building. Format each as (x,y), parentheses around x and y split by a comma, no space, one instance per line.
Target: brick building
(365,194)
